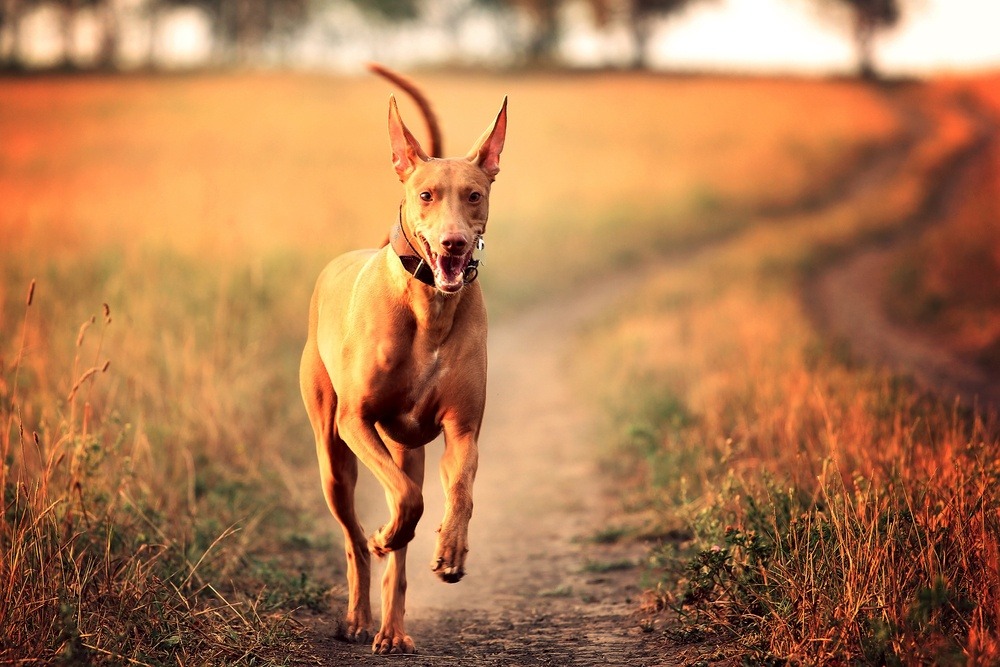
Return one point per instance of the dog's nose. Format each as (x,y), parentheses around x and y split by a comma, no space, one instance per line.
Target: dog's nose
(455,244)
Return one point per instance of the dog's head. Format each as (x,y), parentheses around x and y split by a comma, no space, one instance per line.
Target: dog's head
(446,200)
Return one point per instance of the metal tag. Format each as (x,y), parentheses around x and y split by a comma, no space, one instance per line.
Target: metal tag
(480,247)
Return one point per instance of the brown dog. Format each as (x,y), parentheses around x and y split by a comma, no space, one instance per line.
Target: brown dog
(396,354)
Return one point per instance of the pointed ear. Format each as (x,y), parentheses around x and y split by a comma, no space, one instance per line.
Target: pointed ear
(486,153)
(406,151)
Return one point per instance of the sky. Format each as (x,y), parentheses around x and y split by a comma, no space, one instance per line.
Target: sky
(797,36)
(754,36)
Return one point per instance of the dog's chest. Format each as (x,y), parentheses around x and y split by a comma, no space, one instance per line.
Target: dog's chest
(407,394)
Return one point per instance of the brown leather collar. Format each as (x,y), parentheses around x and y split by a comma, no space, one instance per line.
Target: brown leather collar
(415,264)
(411,260)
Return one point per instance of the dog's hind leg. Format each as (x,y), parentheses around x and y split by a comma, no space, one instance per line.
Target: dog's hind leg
(392,637)
(339,473)
(338,468)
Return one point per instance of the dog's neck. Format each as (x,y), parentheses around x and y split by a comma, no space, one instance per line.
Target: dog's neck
(433,311)
(415,264)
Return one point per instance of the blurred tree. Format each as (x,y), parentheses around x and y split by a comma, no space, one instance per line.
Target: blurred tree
(10,32)
(108,50)
(67,10)
(545,35)
(12,11)
(396,10)
(867,18)
(641,16)
(242,26)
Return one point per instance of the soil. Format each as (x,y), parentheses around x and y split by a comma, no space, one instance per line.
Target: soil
(539,589)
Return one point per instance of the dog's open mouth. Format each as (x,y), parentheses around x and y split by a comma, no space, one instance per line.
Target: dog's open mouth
(449,269)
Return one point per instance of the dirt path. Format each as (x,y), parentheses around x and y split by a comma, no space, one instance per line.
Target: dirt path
(538,590)
(854,312)
(846,299)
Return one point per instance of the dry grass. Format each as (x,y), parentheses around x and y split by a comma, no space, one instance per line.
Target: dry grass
(93,572)
(818,511)
(245,168)
(161,515)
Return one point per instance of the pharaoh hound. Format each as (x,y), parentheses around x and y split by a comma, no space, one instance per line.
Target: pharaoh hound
(396,355)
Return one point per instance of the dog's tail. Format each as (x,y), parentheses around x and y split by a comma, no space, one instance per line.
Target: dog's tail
(435,148)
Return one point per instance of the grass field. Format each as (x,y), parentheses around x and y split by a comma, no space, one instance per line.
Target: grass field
(173,228)
(815,509)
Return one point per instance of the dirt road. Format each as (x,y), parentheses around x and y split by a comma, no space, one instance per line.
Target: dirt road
(846,300)
(538,591)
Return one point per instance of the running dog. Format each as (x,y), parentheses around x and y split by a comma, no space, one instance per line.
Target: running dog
(396,355)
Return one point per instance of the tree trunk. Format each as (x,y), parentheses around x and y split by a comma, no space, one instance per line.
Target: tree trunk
(153,14)
(10,23)
(543,42)
(67,20)
(252,26)
(640,27)
(864,42)
(109,36)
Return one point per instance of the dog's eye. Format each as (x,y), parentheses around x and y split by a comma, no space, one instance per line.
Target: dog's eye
(475,197)
(426,196)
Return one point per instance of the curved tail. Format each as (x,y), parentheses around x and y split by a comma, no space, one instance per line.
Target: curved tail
(435,148)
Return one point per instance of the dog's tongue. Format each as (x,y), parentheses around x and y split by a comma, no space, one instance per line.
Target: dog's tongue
(449,272)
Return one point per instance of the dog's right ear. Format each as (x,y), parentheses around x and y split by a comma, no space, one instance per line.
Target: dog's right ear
(405,148)
(486,153)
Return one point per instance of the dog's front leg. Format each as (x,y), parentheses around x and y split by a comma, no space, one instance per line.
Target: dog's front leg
(406,502)
(458,472)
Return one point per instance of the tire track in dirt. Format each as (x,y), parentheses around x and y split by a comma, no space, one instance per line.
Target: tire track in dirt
(845,300)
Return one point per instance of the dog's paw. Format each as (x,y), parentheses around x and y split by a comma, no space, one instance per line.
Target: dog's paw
(450,574)
(383,542)
(356,630)
(357,634)
(391,642)
(449,557)
(377,545)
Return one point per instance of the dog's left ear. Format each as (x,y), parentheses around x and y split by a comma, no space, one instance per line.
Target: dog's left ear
(486,153)
(406,150)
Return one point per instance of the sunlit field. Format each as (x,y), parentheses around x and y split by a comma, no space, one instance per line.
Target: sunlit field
(948,282)
(809,506)
(159,239)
